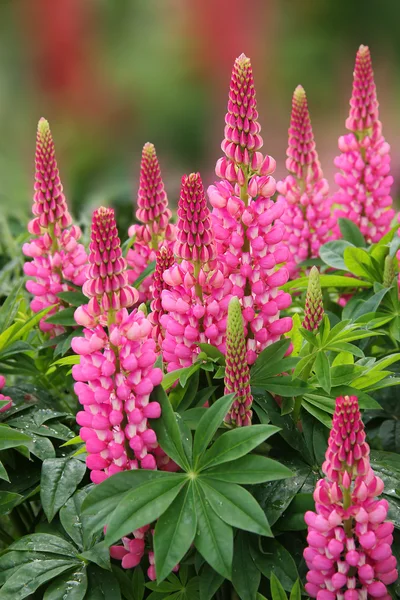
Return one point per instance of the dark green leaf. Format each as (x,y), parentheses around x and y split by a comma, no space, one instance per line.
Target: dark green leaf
(277,591)
(235,505)
(236,443)
(63,317)
(60,478)
(277,560)
(70,586)
(209,423)
(174,533)
(44,542)
(351,233)
(10,438)
(249,469)
(28,578)
(214,538)
(210,582)
(245,575)
(167,430)
(323,371)
(149,270)
(102,585)
(8,500)
(73,298)
(143,505)
(71,519)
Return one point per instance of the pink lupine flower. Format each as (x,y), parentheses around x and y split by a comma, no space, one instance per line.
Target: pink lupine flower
(57,257)
(237,373)
(4,398)
(107,284)
(116,373)
(314,307)
(364,178)
(164,260)
(154,226)
(349,551)
(195,300)
(307,218)
(246,221)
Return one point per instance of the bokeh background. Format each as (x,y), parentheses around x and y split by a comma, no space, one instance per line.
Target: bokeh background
(110,75)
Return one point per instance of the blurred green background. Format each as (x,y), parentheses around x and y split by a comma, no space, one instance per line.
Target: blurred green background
(110,75)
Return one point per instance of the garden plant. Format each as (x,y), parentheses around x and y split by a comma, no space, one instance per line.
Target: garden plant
(208,409)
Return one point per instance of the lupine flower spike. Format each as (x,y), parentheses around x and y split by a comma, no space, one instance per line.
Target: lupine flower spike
(314,308)
(364,178)
(195,300)
(237,372)
(57,258)
(349,551)
(154,226)
(116,372)
(246,221)
(390,270)
(308,217)
(164,260)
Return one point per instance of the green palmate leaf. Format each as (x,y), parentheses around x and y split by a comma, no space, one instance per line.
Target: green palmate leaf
(318,413)
(235,505)
(351,233)
(236,443)
(277,591)
(181,398)
(214,538)
(67,360)
(245,575)
(174,533)
(11,438)
(167,429)
(143,505)
(308,336)
(28,578)
(209,423)
(213,353)
(332,253)
(69,586)
(293,517)
(277,560)
(60,478)
(359,262)
(329,281)
(3,472)
(250,469)
(323,371)
(105,497)
(210,582)
(270,355)
(283,385)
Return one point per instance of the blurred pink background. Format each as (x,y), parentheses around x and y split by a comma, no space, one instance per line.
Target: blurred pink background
(110,75)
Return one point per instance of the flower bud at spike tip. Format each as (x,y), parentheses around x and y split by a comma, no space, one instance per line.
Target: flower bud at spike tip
(389,271)
(349,538)
(314,308)
(107,284)
(307,218)
(237,373)
(242,130)
(195,237)
(49,205)
(363,177)
(152,200)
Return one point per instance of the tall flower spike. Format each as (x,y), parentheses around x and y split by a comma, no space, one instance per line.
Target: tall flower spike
(152,200)
(57,257)
(349,553)
(364,178)
(389,271)
(107,284)
(164,261)
(194,236)
(49,206)
(314,308)
(237,373)
(308,218)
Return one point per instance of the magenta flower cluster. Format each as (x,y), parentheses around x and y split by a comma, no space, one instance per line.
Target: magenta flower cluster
(364,178)
(349,551)
(57,258)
